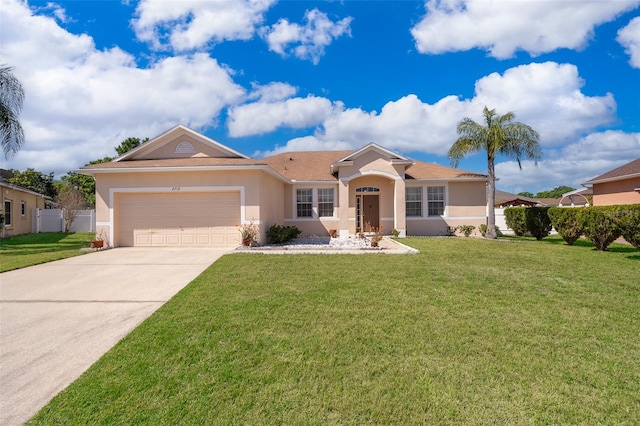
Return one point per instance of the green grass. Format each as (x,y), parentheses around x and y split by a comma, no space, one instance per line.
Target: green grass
(31,249)
(467,332)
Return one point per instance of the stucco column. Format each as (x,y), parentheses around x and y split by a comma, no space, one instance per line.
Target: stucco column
(343,208)
(400,208)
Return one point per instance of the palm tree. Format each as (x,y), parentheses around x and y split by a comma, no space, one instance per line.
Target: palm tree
(11,99)
(501,136)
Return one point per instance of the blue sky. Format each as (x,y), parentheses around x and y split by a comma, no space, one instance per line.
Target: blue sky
(264,77)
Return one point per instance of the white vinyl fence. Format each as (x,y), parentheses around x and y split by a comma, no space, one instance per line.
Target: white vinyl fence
(50,220)
(501,222)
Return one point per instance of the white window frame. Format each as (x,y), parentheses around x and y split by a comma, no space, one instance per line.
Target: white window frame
(8,216)
(420,192)
(322,203)
(430,201)
(300,203)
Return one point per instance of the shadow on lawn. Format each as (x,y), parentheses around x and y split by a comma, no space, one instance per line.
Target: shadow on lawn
(41,243)
(583,243)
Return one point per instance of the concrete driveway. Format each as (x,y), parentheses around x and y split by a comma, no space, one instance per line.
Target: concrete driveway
(58,318)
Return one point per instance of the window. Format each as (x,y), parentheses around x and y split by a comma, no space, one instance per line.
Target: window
(23,208)
(7,213)
(304,200)
(413,198)
(435,200)
(325,202)
(367,189)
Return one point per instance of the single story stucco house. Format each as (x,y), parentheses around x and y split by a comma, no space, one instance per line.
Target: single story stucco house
(17,205)
(618,186)
(184,189)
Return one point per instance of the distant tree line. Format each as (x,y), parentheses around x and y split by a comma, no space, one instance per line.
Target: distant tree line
(553,193)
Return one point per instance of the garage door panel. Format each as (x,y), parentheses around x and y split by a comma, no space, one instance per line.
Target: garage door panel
(178,219)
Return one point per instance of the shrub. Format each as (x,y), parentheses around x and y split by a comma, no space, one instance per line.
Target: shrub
(466,229)
(627,218)
(278,234)
(538,222)
(599,225)
(516,220)
(567,222)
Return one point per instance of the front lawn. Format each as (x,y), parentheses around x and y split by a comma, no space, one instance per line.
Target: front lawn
(467,332)
(30,249)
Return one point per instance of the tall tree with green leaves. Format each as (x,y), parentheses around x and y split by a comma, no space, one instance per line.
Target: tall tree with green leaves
(35,181)
(499,135)
(11,100)
(129,144)
(555,192)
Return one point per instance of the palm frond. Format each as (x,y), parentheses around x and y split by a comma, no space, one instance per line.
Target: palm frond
(11,101)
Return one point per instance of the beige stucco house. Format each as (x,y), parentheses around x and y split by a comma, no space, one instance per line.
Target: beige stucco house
(16,207)
(618,186)
(183,188)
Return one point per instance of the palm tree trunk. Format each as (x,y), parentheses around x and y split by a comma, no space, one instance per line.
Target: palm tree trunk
(491,200)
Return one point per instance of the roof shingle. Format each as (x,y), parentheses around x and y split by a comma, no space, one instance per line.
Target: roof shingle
(630,169)
(294,166)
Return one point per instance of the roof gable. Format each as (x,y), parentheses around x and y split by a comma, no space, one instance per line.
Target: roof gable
(383,152)
(180,142)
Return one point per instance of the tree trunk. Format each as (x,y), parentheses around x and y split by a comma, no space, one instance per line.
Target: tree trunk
(491,200)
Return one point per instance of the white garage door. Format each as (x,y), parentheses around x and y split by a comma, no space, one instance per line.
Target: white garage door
(178,219)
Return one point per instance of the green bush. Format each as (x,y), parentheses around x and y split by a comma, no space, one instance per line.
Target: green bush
(278,234)
(538,222)
(567,222)
(627,218)
(466,229)
(599,225)
(516,220)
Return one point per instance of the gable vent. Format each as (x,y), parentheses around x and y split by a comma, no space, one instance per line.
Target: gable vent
(184,148)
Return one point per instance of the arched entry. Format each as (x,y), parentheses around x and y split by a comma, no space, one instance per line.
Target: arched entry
(367,209)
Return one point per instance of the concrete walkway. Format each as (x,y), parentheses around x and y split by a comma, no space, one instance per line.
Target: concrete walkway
(58,318)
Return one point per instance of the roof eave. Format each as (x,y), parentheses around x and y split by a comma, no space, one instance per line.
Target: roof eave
(109,170)
(612,179)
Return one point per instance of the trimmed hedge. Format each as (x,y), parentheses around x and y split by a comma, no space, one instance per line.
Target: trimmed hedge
(627,218)
(278,234)
(567,222)
(538,222)
(599,225)
(516,219)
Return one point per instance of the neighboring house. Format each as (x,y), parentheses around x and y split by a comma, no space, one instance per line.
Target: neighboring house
(507,199)
(618,186)
(16,206)
(183,188)
(576,198)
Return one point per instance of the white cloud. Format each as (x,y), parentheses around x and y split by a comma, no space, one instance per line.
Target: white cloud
(629,37)
(545,96)
(548,97)
(275,91)
(504,27)
(81,102)
(308,41)
(263,117)
(572,165)
(190,24)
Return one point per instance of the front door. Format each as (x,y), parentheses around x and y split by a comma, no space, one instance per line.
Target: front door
(370,213)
